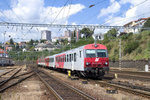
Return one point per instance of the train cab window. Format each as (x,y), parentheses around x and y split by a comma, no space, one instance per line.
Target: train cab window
(101,53)
(90,53)
(80,54)
(74,57)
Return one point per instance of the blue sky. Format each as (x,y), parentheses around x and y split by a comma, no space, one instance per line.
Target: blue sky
(104,12)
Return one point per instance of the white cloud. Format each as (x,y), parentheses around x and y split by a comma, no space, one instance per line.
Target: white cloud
(138,9)
(33,11)
(113,8)
(112,1)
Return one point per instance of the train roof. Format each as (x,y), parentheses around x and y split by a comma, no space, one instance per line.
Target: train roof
(93,46)
(88,46)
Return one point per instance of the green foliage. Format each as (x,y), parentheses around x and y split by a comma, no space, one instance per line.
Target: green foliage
(11,42)
(31,42)
(109,47)
(148,45)
(130,46)
(147,23)
(124,37)
(42,41)
(139,37)
(116,51)
(106,39)
(87,32)
(112,33)
(139,50)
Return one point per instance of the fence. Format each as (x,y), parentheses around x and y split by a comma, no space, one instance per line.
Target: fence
(138,64)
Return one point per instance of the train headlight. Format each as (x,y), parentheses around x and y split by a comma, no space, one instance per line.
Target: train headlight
(106,63)
(87,63)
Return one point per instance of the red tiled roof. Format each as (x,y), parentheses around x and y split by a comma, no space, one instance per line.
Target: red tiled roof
(137,20)
(2,51)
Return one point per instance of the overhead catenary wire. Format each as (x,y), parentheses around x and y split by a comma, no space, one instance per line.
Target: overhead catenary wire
(50,11)
(92,15)
(120,21)
(59,12)
(69,7)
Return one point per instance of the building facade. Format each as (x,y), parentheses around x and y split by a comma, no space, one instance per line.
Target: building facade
(46,35)
(137,23)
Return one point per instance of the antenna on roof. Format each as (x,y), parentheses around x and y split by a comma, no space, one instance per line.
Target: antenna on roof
(95,37)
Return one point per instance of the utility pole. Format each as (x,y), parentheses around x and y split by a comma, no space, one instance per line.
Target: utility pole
(4,45)
(120,57)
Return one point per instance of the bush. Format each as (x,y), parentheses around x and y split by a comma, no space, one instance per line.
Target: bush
(109,47)
(139,50)
(116,52)
(124,37)
(148,45)
(131,46)
(139,36)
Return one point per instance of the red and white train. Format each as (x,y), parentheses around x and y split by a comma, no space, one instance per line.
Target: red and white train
(89,60)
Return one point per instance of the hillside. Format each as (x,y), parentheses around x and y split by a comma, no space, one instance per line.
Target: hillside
(134,46)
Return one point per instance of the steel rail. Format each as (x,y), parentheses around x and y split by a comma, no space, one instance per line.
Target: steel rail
(4,82)
(132,72)
(131,76)
(137,92)
(87,97)
(49,87)
(17,76)
(13,84)
(6,72)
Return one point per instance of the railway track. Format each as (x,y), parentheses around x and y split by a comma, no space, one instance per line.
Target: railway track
(14,79)
(131,72)
(8,76)
(144,92)
(4,73)
(61,90)
(141,76)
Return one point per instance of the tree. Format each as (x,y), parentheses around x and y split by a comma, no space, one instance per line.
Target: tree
(87,32)
(112,33)
(31,42)
(147,23)
(11,42)
(42,41)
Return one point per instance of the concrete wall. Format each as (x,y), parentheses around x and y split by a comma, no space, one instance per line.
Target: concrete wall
(139,64)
